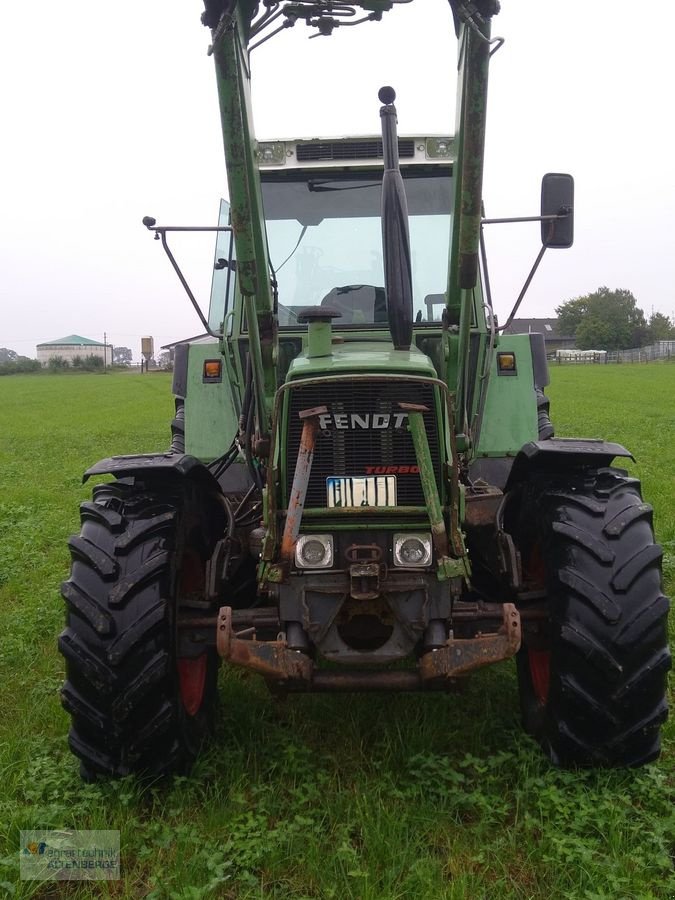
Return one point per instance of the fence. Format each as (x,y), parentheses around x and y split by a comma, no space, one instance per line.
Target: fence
(661,350)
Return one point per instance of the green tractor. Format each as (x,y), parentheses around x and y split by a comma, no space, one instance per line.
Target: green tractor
(363,491)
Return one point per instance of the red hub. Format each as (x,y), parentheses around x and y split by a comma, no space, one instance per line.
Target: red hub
(192,671)
(540,673)
(192,679)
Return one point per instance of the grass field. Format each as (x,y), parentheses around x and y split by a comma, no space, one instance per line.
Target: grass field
(331,797)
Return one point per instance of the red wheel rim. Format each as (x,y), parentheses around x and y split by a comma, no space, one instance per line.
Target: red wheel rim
(540,673)
(192,679)
(192,671)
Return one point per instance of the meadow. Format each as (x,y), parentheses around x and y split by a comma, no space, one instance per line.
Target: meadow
(371,798)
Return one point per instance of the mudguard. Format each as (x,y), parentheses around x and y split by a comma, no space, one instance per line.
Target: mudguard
(557,454)
(158,464)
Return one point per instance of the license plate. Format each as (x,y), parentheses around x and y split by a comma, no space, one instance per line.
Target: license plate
(369,490)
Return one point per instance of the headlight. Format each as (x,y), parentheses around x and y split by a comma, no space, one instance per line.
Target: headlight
(412,550)
(314,551)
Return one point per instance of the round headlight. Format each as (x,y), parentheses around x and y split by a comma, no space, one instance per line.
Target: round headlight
(412,550)
(314,551)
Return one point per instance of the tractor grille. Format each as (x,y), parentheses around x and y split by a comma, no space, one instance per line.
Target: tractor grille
(329,150)
(352,451)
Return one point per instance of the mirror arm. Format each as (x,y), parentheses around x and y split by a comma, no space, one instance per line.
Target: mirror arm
(553,218)
(160,233)
(525,287)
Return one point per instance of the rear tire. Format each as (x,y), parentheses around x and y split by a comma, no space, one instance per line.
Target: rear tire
(140,556)
(593,689)
(178,427)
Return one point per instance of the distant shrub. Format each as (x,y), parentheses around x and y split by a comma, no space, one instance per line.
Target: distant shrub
(57,364)
(20,365)
(77,362)
(93,362)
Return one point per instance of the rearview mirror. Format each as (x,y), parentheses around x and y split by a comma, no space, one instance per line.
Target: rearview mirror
(557,199)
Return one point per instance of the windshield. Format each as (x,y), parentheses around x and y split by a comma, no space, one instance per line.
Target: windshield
(325,243)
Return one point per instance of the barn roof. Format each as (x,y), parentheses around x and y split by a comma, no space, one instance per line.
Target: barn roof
(547,327)
(72,340)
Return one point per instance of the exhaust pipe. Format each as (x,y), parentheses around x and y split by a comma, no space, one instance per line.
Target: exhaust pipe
(395,238)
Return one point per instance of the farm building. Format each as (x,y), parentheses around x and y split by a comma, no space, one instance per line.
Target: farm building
(74,345)
(548,327)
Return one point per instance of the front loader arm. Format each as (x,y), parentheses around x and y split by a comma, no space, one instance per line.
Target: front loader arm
(233,76)
(472,84)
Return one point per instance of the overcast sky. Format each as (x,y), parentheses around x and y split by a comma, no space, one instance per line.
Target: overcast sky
(109,113)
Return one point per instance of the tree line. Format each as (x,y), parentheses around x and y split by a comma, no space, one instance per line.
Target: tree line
(12,363)
(611,320)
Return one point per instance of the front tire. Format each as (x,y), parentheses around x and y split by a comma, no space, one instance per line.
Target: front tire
(593,687)
(135,704)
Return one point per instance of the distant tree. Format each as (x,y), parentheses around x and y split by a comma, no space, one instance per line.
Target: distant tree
(594,333)
(121,356)
(8,355)
(19,364)
(570,315)
(164,360)
(660,328)
(604,320)
(77,362)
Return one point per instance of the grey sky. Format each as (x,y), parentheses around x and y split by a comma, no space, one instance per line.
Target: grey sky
(109,113)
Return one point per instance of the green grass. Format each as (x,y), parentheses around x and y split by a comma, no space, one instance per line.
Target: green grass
(343,797)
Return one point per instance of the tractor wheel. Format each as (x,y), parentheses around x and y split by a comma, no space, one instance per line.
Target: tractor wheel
(592,687)
(136,705)
(544,424)
(178,428)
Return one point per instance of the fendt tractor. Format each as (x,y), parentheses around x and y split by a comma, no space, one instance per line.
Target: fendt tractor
(363,490)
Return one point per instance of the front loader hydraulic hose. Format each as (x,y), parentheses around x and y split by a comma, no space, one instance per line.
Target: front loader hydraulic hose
(247,425)
(248,393)
(248,439)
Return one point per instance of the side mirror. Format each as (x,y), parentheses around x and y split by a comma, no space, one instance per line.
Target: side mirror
(557,198)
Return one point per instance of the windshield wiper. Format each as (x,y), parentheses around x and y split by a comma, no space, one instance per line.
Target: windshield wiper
(322,187)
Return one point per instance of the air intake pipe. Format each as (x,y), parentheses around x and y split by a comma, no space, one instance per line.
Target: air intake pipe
(395,238)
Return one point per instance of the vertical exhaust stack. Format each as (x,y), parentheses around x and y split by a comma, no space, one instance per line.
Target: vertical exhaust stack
(395,238)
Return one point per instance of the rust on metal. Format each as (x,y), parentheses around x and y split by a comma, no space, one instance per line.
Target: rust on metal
(303,467)
(437,669)
(260,616)
(363,553)
(481,508)
(315,411)
(459,657)
(413,407)
(273,659)
(474,612)
(364,579)
(224,631)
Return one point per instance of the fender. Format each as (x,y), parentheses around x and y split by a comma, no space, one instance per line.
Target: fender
(159,464)
(557,454)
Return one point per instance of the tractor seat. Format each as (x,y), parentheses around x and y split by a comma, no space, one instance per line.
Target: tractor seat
(359,304)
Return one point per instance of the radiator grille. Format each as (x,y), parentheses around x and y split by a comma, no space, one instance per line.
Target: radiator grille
(351,451)
(329,150)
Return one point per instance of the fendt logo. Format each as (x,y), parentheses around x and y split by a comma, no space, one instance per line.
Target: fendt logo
(349,421)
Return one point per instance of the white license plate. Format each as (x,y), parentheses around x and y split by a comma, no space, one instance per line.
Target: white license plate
(369,490)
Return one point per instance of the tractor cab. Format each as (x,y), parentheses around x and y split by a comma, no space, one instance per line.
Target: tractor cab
(322,211)
(322,208)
